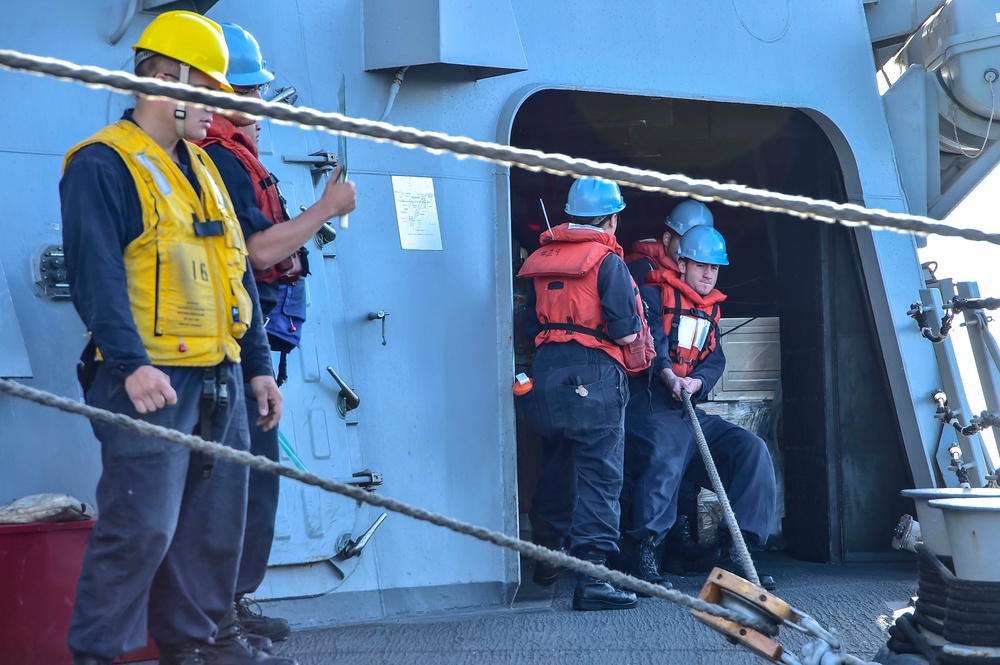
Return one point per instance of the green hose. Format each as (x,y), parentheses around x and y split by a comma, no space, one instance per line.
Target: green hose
(287,447)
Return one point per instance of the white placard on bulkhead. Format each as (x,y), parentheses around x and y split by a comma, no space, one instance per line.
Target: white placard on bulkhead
(416,212)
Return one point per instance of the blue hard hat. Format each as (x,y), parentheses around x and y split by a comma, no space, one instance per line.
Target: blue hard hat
(703,244)
(594,197)
(687,215)
(246,64)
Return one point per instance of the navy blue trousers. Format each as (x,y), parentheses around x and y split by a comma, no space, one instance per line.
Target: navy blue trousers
(658,446)
(661,455)
(746,470)
(583,444)
(165,550)
(262,504)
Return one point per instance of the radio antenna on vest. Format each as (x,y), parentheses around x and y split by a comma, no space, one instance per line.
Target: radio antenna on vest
(545,214)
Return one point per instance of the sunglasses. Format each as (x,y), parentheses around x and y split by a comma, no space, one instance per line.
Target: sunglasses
(247,91)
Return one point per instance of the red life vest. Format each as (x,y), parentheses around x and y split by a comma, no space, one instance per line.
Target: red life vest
(652,249)
(265,186)
(680,300)
(568,304)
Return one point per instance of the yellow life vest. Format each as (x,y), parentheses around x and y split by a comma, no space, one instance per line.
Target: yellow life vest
(185,271)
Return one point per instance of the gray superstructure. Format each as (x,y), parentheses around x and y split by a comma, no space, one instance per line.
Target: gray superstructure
(774,94)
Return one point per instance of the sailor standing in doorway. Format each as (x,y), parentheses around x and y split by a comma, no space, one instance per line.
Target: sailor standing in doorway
(159,276)
(660,447)
(275,246)
(582,309)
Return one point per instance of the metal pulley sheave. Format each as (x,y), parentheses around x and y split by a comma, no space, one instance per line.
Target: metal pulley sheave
(735,593)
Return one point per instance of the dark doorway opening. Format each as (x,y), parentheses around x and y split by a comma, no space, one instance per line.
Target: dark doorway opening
(841,460)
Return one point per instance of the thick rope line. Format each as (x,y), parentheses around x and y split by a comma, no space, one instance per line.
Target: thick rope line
(260,463)
(532,160)
(746,562)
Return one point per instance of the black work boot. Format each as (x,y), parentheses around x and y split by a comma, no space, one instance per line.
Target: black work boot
(646,565)
(259,642)
(87,659)
(255,623)
(231,627)
(593,593)
(682,554)
(731,561)
(546,574)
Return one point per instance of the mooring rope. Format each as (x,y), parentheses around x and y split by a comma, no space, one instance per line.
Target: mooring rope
(533,160)
(261,463)
(746,561)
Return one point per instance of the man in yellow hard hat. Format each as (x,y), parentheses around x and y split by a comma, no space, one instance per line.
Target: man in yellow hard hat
(159,276)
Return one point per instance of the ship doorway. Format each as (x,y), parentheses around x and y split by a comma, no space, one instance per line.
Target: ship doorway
(820,400)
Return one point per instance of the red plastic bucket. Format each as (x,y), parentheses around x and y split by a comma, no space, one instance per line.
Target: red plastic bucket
(39,567)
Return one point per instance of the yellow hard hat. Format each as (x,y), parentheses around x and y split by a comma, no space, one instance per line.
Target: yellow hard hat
(189,38)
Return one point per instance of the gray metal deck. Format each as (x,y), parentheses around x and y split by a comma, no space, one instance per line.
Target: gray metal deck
(855,600)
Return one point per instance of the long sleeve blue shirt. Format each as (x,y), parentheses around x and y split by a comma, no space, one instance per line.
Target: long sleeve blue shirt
(641,267)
